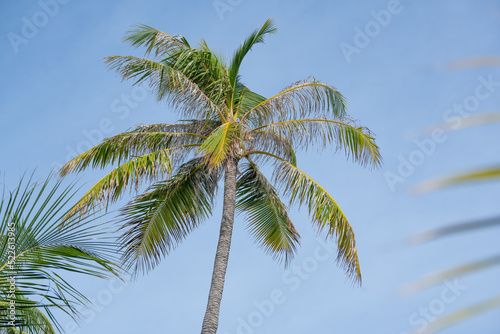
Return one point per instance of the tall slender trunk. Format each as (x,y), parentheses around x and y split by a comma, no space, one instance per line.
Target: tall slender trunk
(211,320)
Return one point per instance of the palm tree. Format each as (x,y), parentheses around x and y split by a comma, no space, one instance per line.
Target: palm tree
(35,251)
(226,130)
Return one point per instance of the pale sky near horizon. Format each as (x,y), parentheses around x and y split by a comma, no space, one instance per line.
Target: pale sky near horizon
(389,60)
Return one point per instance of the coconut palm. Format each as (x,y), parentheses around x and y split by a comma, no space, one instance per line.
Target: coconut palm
(36,251)
(227,131)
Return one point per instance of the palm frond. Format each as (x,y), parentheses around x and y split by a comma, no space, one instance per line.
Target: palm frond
(303,99)
(466,122)
(485,174)
(155,41)
(325,213)
(208,71)
(172,85)
(441,232)
(130,175)
(219,144)
(267,216)
(358,143)
(444,275)
(245,99)
(129,145)
(157,221)
(255,37)
(31,217)
(202,128)
(461,315)
(272,142)
(31,319)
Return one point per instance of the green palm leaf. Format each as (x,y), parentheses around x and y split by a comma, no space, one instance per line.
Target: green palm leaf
(325,213)
(271,142)
(189,129)
(129,145)
(303,99)
(485,174)
(31,218)
(219,144)
(155,41)
(149,167)
(157,221)
(267,216)
(169,84)
(255,38)
(246,100)
(358,142)
(31,319)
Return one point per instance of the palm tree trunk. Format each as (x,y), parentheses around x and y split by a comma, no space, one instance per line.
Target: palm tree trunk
(211,320)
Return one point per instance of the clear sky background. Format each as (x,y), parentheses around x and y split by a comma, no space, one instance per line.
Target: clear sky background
(57,99)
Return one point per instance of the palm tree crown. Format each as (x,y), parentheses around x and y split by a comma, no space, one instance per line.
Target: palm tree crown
(226,129)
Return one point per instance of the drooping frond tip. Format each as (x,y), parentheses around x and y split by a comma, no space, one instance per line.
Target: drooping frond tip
(357,142)
(267,215)
(325,213)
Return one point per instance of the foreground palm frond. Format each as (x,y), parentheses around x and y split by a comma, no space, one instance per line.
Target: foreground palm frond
(466,122)
(448,274)
(461,315)
(445,231)
(36,250)
(485,174)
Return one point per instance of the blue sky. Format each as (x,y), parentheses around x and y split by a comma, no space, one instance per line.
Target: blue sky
(387,57)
